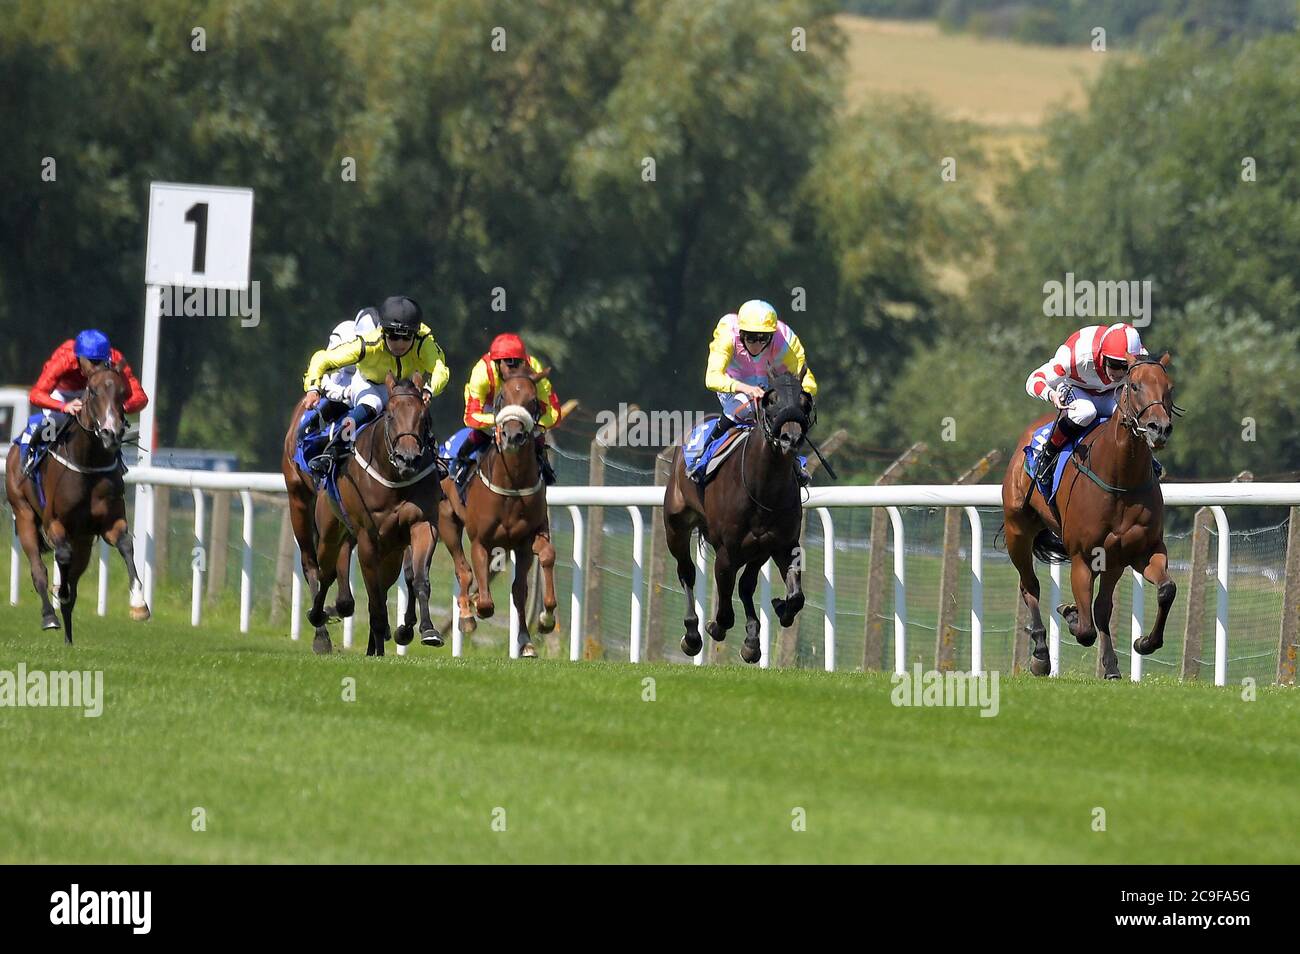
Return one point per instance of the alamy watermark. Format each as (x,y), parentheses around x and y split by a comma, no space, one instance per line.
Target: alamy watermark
(62,689)
(633,427)
(186,301)
(1082,298)
(927,689)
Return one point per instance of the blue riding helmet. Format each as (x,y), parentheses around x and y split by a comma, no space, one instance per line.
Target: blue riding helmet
(93,346)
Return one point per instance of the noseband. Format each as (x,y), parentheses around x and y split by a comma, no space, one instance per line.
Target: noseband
(391,438)
(1132,422)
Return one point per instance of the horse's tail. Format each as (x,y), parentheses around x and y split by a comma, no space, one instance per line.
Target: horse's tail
(1049,548)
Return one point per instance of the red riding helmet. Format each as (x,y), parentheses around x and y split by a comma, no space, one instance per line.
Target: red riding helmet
(507,346)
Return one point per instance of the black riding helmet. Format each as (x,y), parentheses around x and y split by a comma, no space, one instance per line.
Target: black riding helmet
(400,315)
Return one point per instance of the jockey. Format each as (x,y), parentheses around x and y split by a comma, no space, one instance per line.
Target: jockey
(62,382)
(334,386)
(506,353)
(1081,380)
(402,345)
(745,345)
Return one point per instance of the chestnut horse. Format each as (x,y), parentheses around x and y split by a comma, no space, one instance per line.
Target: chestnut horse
(749,512)
(81,476)
(504,511)
(1108,516)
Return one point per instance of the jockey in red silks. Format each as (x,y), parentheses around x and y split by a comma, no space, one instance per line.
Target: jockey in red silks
(1081,380)
(58,390)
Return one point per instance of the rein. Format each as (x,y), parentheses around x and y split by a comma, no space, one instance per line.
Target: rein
(765,427)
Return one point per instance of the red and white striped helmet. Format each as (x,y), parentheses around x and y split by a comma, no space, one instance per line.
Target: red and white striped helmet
(1120,341)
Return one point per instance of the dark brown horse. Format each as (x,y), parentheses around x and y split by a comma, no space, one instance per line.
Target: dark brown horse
(301,488)
(84,498)
(750,511)
(1108,516)
(505,512)
(389,493)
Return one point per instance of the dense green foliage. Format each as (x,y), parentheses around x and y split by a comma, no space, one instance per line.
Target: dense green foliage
(524,169)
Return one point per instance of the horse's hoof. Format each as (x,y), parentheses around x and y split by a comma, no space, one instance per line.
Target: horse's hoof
(468,624)
(330,614)
(1040,667)
(50,622)
(527,651)
(322,646)
(1085,639)
(345,608)
(431,637)
(692,643)
(1143,648)
(140,614)
(751,651)
(485,610)
(546,622)
(716,633)
(1112,675)
(403,635)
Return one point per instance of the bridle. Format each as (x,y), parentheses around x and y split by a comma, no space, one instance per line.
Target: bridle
(391,437)
(94,426)
(770,430)
(1132,421)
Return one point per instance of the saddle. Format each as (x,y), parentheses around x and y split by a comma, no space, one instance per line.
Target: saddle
(703,457)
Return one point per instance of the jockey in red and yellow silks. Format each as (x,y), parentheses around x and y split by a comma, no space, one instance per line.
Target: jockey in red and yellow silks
(1081,380)
(745,345)
(506,353)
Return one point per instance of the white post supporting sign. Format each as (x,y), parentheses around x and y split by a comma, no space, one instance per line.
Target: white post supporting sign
(199,237)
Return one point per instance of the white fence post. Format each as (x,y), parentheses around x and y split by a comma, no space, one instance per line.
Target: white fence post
(1053,620)
(197,560)
(402,597)
(513,648)
(575,598)
(976,590)
(457,637)
(765,616)
(702,583)
(295,599)
(1221,610)
(14,551)
(101,602)
(900,592)
(638,581)
(828,574)
(246,570)
(1139,611)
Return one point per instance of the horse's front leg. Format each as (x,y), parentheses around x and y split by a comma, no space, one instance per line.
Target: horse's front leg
(29,537)
(790,562)
(752,650)
(377,580)
(1078,615)
(1102,610)
(417,584)
(73,557)
(519,592)
(483,604)
(1157,571)
(544,550)
(724,616)
(119,538)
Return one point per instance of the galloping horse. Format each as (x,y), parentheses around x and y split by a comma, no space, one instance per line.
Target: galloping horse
(1111,517)
(389,493)
(81,477)
(749,512)
(504,511)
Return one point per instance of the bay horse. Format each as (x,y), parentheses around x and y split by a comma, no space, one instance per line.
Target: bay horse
(81,477)
(1108,516)
(504,511)
(750,511)
(388,489)
(301,487)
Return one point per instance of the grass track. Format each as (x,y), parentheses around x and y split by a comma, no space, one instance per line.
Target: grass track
(254,730)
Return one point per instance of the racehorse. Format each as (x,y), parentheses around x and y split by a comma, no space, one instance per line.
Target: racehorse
(388,496)
(1108,516)
(750,511)
(81,477)
(504,511)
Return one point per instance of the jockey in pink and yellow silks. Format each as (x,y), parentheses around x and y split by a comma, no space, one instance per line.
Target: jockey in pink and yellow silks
(745,345)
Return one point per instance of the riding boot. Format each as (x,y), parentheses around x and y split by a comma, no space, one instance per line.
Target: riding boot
(1065,432)
(720,427)
(548,472)
(340,442)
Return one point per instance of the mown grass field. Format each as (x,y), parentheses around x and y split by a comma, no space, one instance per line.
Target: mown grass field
(255,730)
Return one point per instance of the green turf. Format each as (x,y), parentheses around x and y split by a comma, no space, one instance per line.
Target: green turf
(254,730)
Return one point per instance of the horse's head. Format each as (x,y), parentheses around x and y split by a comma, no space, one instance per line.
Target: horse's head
(102,412)
(786,410)
(408,424)
(518,407)
(1147,404)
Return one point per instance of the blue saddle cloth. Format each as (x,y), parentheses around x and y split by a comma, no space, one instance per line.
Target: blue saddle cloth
(451,448)
(1049,487)
(311,446)
(699,451)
